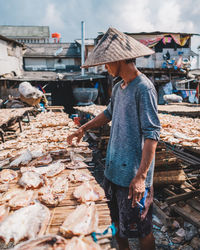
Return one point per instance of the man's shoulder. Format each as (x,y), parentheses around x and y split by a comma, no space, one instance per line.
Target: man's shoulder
(145,84)
(116,86)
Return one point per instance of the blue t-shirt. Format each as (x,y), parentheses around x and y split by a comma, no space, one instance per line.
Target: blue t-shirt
(134,116)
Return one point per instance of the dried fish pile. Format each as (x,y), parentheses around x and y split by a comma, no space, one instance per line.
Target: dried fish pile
(92,109)
(182,109)
(182,131)
(46,134)
(41,171)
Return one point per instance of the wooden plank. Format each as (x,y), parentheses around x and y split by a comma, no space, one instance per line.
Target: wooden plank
(194,203)
(188,213)
(169,192)
(180,197)
(166,220)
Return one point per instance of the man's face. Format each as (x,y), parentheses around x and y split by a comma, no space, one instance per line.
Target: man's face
(113,68)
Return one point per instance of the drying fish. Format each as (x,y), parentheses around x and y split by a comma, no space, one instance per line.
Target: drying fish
(8,175)
(82,221)
(44,190)
(41,161)
(5,154)
(37,153)
(82,150)
(88,192)
(79,176)
(49,199)
(50,242)
(60,154)
(82,244)
(49,171)
(4,187)
(25,223)
(4,163)
(76,165)
(31,179)
(23,159)
(76,157)
(27,169)
(23,199)
(44,160)
(4,211)
(8,195)
(80,144)
(59,184)
(54,192)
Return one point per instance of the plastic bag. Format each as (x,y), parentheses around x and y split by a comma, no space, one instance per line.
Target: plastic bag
(28,91)
(172,98)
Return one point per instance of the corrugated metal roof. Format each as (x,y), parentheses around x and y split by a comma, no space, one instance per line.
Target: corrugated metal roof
(12,31)
(52,50)
(47,76)
(87,41)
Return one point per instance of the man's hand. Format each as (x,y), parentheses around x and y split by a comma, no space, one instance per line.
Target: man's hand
(136,190)
(96,122)
(79,134)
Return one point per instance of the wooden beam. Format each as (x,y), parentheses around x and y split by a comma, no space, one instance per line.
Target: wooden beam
(20,124)
(2,135)
(180,197)
(166,220)
(188,213)
(168,192)
(194,203)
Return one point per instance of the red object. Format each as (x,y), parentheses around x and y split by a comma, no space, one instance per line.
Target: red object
(77,121)
(197,90)
(56,35)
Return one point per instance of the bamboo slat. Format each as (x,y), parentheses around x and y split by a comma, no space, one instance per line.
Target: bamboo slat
(69,203)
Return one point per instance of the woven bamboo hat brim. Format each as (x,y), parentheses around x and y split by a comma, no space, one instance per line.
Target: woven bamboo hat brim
(116,46)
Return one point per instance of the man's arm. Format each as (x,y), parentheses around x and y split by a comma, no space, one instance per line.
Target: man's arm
(137,186)
(150,128)
(98,121)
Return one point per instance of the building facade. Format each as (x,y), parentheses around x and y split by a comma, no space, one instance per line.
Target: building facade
(53,57)
(172,50)
(11,56)
(26,34)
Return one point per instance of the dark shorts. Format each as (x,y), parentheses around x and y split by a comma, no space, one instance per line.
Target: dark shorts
(132,222)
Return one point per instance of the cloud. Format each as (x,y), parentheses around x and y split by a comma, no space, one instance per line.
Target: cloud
(65,16)
(134,16)
(169,17)
(52,17)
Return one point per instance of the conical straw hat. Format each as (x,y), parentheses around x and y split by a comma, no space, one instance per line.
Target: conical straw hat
(116,46)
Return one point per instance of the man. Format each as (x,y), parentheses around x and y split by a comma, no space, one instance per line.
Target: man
(133,138)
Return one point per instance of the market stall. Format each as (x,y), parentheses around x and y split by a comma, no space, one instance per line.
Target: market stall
(49,175)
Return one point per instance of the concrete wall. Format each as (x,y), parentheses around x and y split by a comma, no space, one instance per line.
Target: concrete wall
(10,58)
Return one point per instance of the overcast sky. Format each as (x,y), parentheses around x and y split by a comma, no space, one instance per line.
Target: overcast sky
(65,16)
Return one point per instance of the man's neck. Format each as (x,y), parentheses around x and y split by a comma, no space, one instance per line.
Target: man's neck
(128,72)
(130,76)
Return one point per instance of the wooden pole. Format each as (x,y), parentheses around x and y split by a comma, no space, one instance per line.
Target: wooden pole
(20,124)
